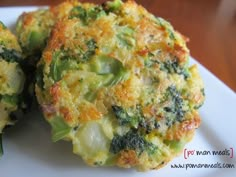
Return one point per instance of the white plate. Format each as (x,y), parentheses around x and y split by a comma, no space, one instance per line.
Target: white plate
(28,150)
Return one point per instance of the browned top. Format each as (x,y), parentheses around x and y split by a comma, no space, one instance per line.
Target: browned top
(210,25)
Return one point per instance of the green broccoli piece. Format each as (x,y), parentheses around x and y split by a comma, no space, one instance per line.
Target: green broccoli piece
(59,64)
(132,140)
(175,111)
(12,100)
(136,119)
(172,66)
(124,118)
(10,55)
(59,128)
(112,6)
(86,15)
(105,65)
(176,145)
(79,12)
(37,41)
(126,37)
(91,45)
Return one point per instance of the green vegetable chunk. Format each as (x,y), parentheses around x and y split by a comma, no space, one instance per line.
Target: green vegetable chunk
(60,64)
(13,100)
(177,146)
(104,65)
(10,55)
(175,111)
(126,37)
(132,140)
(86,15)
(113,6)
(91,47)
(172,66)
(59,128)
(135,119)
(124,118)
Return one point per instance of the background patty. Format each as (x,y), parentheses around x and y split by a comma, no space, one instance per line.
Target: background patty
(11,77)
(33,28)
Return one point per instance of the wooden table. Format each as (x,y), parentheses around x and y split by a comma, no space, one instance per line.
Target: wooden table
(210,25)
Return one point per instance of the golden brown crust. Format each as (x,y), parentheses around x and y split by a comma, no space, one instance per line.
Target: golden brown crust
(184,129)
(127,159)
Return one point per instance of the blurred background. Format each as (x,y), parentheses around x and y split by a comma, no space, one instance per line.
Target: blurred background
(210,25)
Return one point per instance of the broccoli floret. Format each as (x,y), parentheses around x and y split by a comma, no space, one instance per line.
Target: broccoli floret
(121,115)
(12,100)
(10,55)
(169,66)
(78,12)
(175,111)
(136,120)
(96,12)
(85,15)
(124,118)
(112,6)
(132,140)
(172,66)
(91,45)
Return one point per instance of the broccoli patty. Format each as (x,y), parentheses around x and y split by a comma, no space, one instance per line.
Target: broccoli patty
(11,77)
(33,28)
(115,80)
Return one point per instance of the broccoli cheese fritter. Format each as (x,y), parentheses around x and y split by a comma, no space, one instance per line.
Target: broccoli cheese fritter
(33,28)
(115,81)
(11,77)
